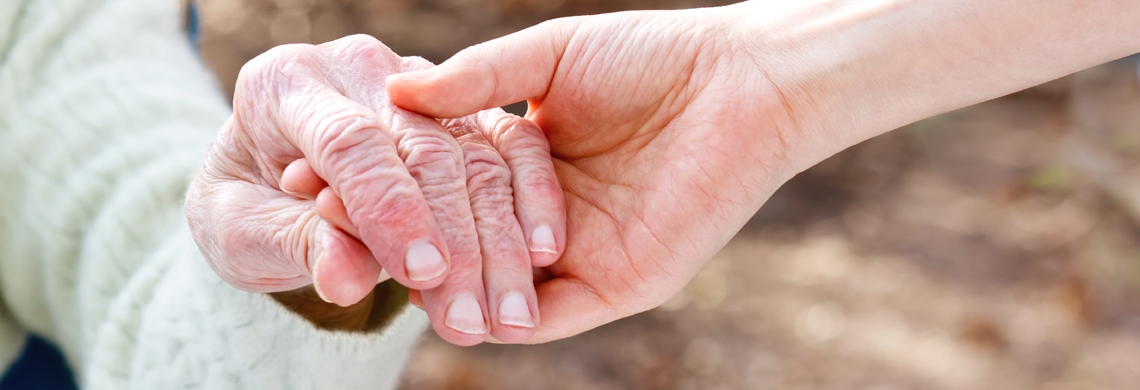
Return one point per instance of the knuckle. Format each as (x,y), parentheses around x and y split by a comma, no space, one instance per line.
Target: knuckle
(350,137)
(492,199)
(543,186)
(271,70)
(488,175)
(433,161)
(358,49)
(514,133)
(359,46)
(398,205)
(485,175)
(359,41)
(462,129)
(529,154)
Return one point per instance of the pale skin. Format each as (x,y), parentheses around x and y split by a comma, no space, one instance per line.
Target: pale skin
(669,129)
(318,179)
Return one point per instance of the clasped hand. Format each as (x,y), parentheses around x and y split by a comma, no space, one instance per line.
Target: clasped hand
(666,133)
(318,178)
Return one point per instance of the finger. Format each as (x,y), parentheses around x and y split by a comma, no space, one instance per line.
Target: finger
(513,68)
(458,306)
(299,179)
(506,261)
(262,240)
(331,208)
(346,271)
(538,200)
(350,147)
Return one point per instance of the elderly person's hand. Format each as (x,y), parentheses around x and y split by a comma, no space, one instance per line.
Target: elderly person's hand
(317,178)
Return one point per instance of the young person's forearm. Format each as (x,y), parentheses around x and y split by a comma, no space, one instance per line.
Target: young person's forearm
(851,70)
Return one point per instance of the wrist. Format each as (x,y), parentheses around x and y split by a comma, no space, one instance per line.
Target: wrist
(817,56)
(851,70)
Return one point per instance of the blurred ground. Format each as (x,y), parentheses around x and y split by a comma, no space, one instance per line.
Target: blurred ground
(991,247)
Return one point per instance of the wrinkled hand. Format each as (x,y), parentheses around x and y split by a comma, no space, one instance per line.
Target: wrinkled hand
(667,137)
(317,178)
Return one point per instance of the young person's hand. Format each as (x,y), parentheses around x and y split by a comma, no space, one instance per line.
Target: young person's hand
(667,137)
(318,179)
(671,128)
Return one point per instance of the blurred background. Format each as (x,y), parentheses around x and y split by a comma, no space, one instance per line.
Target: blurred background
(993,247)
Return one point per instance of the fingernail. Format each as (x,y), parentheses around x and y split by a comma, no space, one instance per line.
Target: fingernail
(514,311)
(464,315)
(417,75)
(316,280)
(542,240)
(424,262)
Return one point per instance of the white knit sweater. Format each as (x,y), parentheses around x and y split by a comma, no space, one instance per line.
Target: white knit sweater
(105,115)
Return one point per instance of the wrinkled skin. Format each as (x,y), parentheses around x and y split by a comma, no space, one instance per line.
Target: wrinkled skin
(667,138)
(317,178)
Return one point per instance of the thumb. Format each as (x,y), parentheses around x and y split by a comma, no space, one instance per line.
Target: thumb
(496,73)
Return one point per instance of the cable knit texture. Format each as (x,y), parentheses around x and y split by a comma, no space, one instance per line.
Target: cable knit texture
(105,115)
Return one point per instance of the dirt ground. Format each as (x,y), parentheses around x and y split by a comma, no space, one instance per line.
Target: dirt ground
(994,247)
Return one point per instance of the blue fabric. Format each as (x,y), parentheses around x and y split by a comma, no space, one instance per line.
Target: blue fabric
(193,26)
(39,367)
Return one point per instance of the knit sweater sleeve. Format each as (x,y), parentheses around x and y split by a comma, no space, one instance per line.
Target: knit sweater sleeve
(105,116)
